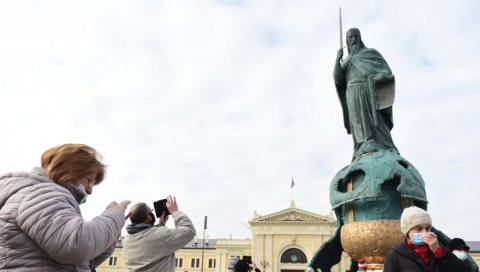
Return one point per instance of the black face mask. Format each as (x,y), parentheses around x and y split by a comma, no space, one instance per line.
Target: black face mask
(152,220)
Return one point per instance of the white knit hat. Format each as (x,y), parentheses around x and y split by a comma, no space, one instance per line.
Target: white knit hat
(414,216)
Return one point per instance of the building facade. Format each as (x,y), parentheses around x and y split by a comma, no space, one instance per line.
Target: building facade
(286,240)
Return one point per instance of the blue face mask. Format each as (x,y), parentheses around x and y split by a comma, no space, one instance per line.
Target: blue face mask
(462,255)
(418,238)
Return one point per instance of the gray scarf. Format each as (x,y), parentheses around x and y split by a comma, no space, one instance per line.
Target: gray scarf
(134,228)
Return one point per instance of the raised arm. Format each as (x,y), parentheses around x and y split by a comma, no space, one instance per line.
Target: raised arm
(51,217)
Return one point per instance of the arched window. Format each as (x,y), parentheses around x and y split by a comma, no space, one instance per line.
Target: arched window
(293,255)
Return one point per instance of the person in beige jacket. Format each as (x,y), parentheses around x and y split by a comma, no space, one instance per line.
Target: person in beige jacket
(151,248)
(41,225)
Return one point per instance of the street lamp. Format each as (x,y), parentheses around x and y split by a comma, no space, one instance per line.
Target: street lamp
(203,241)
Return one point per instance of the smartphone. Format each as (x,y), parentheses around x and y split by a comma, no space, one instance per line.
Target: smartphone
(160,206)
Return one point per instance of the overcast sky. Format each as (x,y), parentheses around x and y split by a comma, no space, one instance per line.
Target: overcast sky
(221,102)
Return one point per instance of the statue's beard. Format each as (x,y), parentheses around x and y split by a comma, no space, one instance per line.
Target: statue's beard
(354,48)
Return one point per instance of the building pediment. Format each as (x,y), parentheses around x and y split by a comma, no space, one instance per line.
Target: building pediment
(292,214)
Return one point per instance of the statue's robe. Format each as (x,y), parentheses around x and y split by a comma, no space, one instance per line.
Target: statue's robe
(366,100)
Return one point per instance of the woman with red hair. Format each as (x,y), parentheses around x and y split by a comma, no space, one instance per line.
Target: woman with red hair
(40,220)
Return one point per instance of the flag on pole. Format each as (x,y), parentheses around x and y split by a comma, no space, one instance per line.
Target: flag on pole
(293,183)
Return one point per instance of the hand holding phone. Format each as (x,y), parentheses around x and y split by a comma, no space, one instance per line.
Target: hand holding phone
(160,207)
(172,204)
(167,206)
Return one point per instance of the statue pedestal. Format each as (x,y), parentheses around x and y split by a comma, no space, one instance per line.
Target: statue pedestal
(369,196)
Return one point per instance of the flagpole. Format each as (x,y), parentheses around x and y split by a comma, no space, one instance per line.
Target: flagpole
(292,186)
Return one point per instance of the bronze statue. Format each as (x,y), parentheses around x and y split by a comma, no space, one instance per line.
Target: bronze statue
(365,86)
(369,195)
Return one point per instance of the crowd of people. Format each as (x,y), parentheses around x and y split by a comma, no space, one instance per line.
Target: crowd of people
(42,228)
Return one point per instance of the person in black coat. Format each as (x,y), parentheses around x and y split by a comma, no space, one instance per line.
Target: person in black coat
(246,265)
(420,251)
(458,247)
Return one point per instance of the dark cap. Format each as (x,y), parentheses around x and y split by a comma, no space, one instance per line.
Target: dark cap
(457,243)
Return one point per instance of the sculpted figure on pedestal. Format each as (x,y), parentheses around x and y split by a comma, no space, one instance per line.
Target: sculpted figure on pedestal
(366,89)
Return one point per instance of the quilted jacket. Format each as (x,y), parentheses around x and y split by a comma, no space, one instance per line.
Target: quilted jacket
(42,229)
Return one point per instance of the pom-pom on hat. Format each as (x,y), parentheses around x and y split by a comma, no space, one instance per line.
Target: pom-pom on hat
(414,216)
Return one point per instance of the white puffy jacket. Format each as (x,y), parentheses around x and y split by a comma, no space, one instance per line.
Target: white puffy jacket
(42,229)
